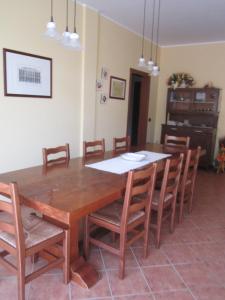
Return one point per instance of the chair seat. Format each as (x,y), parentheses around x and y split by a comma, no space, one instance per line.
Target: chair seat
(36,230)
(112,213)
(156,196)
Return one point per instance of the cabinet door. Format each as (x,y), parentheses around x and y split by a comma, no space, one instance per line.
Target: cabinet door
(205,140)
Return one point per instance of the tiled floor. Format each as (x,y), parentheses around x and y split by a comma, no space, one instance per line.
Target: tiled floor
(189,265)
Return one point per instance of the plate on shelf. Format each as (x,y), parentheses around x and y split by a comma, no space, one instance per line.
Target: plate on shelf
(133,156)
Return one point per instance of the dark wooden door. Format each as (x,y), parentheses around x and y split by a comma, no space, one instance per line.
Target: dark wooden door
(137,120)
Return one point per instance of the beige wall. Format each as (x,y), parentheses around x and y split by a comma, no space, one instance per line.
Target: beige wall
(204,62)
(119,51)
(74,112)
(28,124)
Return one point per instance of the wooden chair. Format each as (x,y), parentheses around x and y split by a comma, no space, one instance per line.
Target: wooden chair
(121,145)
(164,200)
(94,148)
(188,178)
(52,151)
(125,217)
(23,234)
(182,142)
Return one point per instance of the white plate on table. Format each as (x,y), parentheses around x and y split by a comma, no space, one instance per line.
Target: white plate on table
(133,156)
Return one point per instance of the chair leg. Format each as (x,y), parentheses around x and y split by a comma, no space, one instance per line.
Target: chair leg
(86,238)
(190,202)
(173,213)
(66,253)
(181,208)
(21,279)
(158,229)
(122,256)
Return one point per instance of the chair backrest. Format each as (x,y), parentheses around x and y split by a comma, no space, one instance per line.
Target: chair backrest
(182,142)
(190,167)
(140,185)
(94,148)
(121,145)
(171,178)
(10,219)
(47,152)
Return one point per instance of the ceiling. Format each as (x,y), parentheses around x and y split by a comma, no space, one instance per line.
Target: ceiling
(181,21)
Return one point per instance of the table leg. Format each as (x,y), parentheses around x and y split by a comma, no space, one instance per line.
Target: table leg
(82,272)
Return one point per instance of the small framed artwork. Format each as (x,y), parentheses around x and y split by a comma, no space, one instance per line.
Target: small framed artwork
(200,96)
(99,85)
(117,88)
(103,98)
(27,75)
(104,73)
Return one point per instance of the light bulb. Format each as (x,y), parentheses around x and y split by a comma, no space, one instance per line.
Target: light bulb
(155,71)
(141,62)
(150,65)
(66,38)
(51,29)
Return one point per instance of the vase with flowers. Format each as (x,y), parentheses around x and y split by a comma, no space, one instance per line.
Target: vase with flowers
(181,80)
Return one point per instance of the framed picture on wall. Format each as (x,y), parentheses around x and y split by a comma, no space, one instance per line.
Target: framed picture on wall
(27,75)
(117,88)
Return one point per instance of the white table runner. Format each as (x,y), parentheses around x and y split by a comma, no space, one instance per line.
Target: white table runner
(119,165)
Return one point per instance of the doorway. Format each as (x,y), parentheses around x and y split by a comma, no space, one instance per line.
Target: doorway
(137,120)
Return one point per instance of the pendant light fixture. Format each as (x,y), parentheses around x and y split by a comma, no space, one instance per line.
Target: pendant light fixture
(141,62)
(150,63)
(51,26)
(155,69)
(66,34)
(74,36)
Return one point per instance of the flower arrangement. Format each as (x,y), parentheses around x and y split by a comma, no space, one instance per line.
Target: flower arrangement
(180,80)
(220,158)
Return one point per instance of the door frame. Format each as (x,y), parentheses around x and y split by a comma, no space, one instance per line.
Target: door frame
(144,106)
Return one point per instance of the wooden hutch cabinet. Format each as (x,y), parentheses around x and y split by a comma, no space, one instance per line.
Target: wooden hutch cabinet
(193,112)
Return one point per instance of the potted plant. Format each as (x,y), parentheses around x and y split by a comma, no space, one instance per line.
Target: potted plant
(181,80)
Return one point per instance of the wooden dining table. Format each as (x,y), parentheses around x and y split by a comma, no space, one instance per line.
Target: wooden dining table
(65,193)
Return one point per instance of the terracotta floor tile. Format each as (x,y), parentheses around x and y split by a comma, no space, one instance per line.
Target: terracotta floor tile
(112,261)
(95,259)
(196,274)
(209,251)
(100,289)
(209,293)
(132,284)
(49,287)
(176,295)
(155,257)
(163,278)
(181,253)
(8,289)
(137,297)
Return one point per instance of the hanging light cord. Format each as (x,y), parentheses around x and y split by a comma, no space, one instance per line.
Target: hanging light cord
(67,11)
(74,17)
(157,36)
(143,31)
(153,22)
(52,11)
